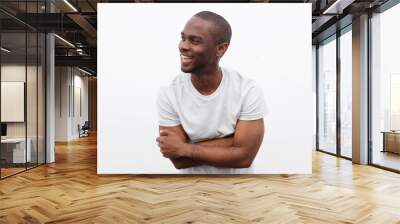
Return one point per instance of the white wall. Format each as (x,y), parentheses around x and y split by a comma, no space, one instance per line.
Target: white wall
(12,101)
(79,117)
(68,81)
(133,62)
(61,103)
(15,73)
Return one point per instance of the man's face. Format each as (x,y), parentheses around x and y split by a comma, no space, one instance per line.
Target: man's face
(197,46)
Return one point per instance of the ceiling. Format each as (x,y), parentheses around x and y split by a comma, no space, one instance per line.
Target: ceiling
(76,22)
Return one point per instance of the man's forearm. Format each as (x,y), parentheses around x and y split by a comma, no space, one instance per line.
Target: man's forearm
(184,162)
(219,156)
(238,152)
(226,141)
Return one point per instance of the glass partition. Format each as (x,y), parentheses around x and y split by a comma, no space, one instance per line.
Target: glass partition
(22,77)
(32,96)
(327,96)
(346,94)
(14,153)
(385,89)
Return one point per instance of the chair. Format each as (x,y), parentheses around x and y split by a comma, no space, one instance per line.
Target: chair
(84,130)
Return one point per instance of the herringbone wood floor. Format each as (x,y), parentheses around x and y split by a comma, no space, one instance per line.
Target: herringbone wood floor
(70,191)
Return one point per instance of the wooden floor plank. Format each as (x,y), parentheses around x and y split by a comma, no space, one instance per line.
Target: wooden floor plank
(70,191)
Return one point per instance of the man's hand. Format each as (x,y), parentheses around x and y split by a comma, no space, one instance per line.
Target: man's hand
(247,140)
(171,145)
(180,162)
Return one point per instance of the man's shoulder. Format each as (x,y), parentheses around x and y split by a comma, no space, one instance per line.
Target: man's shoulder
(237,78)
(180,78)
(178,81)
(175,83)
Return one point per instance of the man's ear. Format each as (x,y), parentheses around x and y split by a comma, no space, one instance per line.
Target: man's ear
(221,49)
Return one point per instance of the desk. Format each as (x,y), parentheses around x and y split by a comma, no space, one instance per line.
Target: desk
(391,141)
(15,148)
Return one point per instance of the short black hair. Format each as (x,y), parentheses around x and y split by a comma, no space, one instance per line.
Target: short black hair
(223,29)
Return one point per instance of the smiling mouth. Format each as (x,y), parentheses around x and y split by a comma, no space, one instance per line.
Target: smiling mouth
(186,59)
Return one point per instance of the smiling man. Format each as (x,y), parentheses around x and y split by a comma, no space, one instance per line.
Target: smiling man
(210,117)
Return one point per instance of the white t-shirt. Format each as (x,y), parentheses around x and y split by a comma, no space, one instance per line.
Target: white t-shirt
(213,116)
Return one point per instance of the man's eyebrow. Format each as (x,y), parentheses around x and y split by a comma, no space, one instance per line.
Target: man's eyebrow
(195,37)
(192,36)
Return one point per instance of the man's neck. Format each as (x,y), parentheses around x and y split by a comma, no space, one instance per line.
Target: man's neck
(207,82)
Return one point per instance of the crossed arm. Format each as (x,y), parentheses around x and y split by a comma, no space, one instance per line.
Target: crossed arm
(237,151)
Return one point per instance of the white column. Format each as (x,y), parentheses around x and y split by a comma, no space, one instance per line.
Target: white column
(50,110)
(50,93)
(360,90)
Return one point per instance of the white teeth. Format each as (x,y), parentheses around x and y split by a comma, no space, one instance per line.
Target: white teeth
(186,57)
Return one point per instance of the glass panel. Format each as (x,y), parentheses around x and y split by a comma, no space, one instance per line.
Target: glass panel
(386,89)
(327,97)
(13,89)
(41,98)
(31,84)
(346,93)
(31,101)
(22,88)
(314,78)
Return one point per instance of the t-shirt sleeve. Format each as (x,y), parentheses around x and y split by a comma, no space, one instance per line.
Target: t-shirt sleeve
(167,116)
(253,106)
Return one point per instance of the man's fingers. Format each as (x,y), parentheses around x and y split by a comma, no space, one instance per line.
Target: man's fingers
(164,152)
(161,139)
(164,132)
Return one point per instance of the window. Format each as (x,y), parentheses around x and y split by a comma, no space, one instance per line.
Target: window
(385,89)
(327,96)
(346,93)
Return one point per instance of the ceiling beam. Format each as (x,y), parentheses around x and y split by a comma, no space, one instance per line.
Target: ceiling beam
(85,61)
(337,6)
(86,26)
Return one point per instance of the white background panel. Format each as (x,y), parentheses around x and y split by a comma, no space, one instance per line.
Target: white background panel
(138,52)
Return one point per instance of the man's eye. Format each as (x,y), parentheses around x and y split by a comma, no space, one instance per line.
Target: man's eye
(195,41)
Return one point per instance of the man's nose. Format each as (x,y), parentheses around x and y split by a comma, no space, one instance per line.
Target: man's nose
(183,45)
